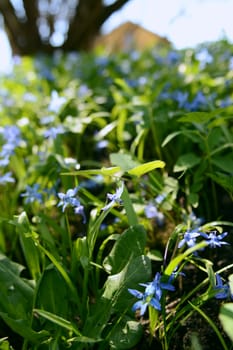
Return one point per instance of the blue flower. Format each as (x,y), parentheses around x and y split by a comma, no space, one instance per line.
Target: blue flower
(79,209)
(32,195)
(52,132)
(152,295)
(68,199)
(6,178)
(213,239)
(152,212)
(181,98)
(223,290)
(189,238)
(114,198)
(12,134)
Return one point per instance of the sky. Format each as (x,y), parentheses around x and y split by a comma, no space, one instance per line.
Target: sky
(186,23)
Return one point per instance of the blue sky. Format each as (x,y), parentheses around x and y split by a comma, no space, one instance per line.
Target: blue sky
(185,23)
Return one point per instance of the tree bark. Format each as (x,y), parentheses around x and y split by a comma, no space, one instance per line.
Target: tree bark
(85,25)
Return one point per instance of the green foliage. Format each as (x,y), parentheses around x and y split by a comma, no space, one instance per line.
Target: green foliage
(108,165)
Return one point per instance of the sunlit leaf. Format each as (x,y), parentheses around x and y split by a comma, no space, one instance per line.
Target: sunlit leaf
(146,168)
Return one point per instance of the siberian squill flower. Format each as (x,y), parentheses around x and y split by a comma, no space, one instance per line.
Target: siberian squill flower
(79,209)
(152,295)
(32,194)
(222,290)
(152,212)
(68,199)
(214,240)
(12,135)
(189,238)
(52,132)
(114,198)
(6,178)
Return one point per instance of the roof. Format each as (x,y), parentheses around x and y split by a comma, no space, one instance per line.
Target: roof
(130,36)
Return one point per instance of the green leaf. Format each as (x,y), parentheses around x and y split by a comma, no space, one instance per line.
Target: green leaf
(171,137)
(224,162)
(4,344)
(16,293)
(146,167)
(126,334)
(230,278)
(212,325)
(28,243)
(130,244)
(226,318)
(52,292)
(64,274)
(129,208)
(186,161)
(155,255)
(60,321)
(226,181)
(138,270)
(123,160)
(196,117)
(191,134)
(23,328)
(98,318)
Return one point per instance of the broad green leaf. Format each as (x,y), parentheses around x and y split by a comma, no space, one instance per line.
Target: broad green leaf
(97,320)
(23,328)
(126,334)
(130,244)
(193,135)
(123,160)
(196,117)
(186,161)
(224,162)
(80,254)
(129,208)
(64,274)
(60,321)
(4,344)
(146,167)
(138,270)
(88,173)
(155,255)
(52,292)
(28,243)
(16,294)
(226,318)
(230,278)
(226,181)
(171,137)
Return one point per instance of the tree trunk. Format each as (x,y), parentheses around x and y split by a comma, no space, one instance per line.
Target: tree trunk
(84,26)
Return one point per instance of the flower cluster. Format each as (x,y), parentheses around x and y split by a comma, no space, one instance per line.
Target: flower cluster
(68,199)
(114,198)
(223,290)
(32,194)
(12,136)
(152,294)
(213,239)
(152,212)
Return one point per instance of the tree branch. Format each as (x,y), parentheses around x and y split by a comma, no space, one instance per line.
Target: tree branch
(12,24)
(110,9)
(32,13)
